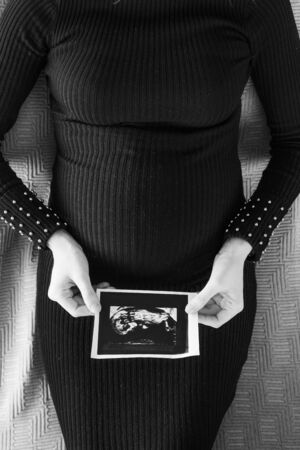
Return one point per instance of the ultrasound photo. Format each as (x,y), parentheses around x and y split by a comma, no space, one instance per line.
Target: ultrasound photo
(134,322)
(136,325)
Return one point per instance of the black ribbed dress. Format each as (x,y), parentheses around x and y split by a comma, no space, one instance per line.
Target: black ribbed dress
(146,100)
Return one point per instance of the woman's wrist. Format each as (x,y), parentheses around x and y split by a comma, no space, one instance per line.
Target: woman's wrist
(236,247)
(61,240)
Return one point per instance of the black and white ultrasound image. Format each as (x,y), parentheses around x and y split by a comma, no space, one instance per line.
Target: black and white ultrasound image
(143,325)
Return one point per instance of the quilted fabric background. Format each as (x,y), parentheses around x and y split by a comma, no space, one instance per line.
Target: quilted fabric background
(266,411)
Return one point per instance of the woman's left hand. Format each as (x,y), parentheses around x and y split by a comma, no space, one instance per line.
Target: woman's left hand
(222,297)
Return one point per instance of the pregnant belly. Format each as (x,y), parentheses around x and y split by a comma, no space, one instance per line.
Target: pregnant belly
(144,214)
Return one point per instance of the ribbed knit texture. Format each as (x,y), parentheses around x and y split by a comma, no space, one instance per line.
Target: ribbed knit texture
(146,103)
(141,403)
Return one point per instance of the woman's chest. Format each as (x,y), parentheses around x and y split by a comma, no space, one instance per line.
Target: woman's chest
(172,67)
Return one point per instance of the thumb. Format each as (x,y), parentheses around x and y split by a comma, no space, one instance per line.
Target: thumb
(88,294)
(200,300)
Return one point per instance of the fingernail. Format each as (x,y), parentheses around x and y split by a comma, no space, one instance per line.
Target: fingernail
(95,308)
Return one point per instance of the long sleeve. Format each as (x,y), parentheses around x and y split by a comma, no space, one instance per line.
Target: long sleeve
(275,71)
(25,28)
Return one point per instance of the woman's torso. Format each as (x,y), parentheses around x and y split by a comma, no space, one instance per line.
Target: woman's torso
(145,97)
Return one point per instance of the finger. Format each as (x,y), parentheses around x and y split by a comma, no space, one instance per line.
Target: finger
(211,321)
(225,301)
(211,310)
(102,285)
(218,297)
(82,309)
(211,301)
(70,304)
(59,290)
(220,319)
(88,294)
(200,300)
(81,306)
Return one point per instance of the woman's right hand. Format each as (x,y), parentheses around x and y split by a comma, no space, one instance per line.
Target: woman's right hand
(70,284)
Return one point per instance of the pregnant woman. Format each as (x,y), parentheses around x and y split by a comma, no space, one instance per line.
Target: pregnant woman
(147,193)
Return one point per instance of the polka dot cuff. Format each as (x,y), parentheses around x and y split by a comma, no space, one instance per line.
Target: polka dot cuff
(22,211)
(255,222)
